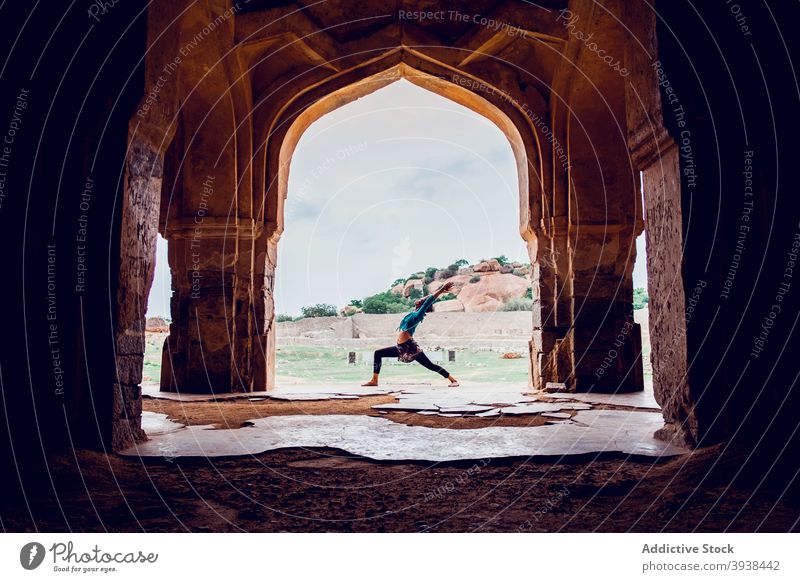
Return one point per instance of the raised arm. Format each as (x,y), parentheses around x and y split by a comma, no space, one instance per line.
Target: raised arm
(443,289)
(423,309)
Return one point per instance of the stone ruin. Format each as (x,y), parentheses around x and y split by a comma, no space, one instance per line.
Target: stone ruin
(196,144)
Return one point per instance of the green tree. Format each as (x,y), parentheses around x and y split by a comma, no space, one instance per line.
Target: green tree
(429,273)
(281,317)
(319,310)
(640,298)
(502,259)
(398,308)
(375,305)
(415,294)
(357,302)
(386,302)
(461,263)
(450,271)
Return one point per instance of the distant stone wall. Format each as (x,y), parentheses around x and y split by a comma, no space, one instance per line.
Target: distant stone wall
(317,327)
(501,324)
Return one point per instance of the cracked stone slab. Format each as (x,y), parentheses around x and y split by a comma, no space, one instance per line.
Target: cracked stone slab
(300,397)
(574,406)
(406,406)
(384,440)
(156,423)
(489,413)
(642,399)
(503,401)
(361,393)
(556,415)
(299,392)
(476,399)
(535,408)
(543,407)
(154,391)
(465,409)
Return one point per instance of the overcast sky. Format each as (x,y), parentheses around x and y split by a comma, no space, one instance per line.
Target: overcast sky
(387,185)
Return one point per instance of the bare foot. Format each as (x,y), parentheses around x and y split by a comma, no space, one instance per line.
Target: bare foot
(370,383)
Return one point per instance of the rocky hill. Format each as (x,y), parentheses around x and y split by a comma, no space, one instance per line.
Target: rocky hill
(486,286)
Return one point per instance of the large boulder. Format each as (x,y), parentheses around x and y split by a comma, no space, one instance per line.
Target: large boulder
(450,305)
(398,289)
(490,266)
(459,281)
(522,271)
(412,284)
(490,293)
(349,310)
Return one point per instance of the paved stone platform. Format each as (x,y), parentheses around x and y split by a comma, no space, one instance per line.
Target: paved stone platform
(378,438)
(573,426)
(425,396)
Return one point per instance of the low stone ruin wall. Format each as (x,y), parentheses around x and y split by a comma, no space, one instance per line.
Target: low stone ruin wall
(504,325)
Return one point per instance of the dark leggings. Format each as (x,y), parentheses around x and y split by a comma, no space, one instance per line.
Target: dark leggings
(391,352)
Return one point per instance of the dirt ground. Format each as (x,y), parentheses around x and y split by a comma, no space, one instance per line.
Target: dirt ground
(296,490)
(325,490)
(235,413)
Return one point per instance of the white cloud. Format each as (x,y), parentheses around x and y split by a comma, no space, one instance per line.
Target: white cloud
(394,182)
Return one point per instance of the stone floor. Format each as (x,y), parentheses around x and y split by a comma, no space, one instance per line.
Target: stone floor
(495,395)
(574,425)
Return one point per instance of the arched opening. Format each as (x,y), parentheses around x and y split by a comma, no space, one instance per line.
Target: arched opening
(157,317)
(580,289)
(389,197)
(641,297)
(232,92)
(525,155)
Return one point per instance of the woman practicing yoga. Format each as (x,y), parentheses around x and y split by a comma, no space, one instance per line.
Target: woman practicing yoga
(407,349)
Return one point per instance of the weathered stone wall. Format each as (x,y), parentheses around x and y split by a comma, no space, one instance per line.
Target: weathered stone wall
(60,223)
(655,153)
(666,291)
(502,324)
(141,196)
(334,327)
(237,105)
(229,144)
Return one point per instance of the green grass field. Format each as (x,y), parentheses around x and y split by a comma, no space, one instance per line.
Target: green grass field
(317,364)
(296,364)
(154,343)
(302,364)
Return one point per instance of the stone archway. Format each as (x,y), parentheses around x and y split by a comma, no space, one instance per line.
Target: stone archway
(238,105)
(527,171)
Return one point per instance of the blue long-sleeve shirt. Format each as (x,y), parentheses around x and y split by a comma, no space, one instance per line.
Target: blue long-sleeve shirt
(413,319)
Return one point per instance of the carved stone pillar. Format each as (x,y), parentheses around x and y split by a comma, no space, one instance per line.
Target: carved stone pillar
(605,341)
(213,335)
